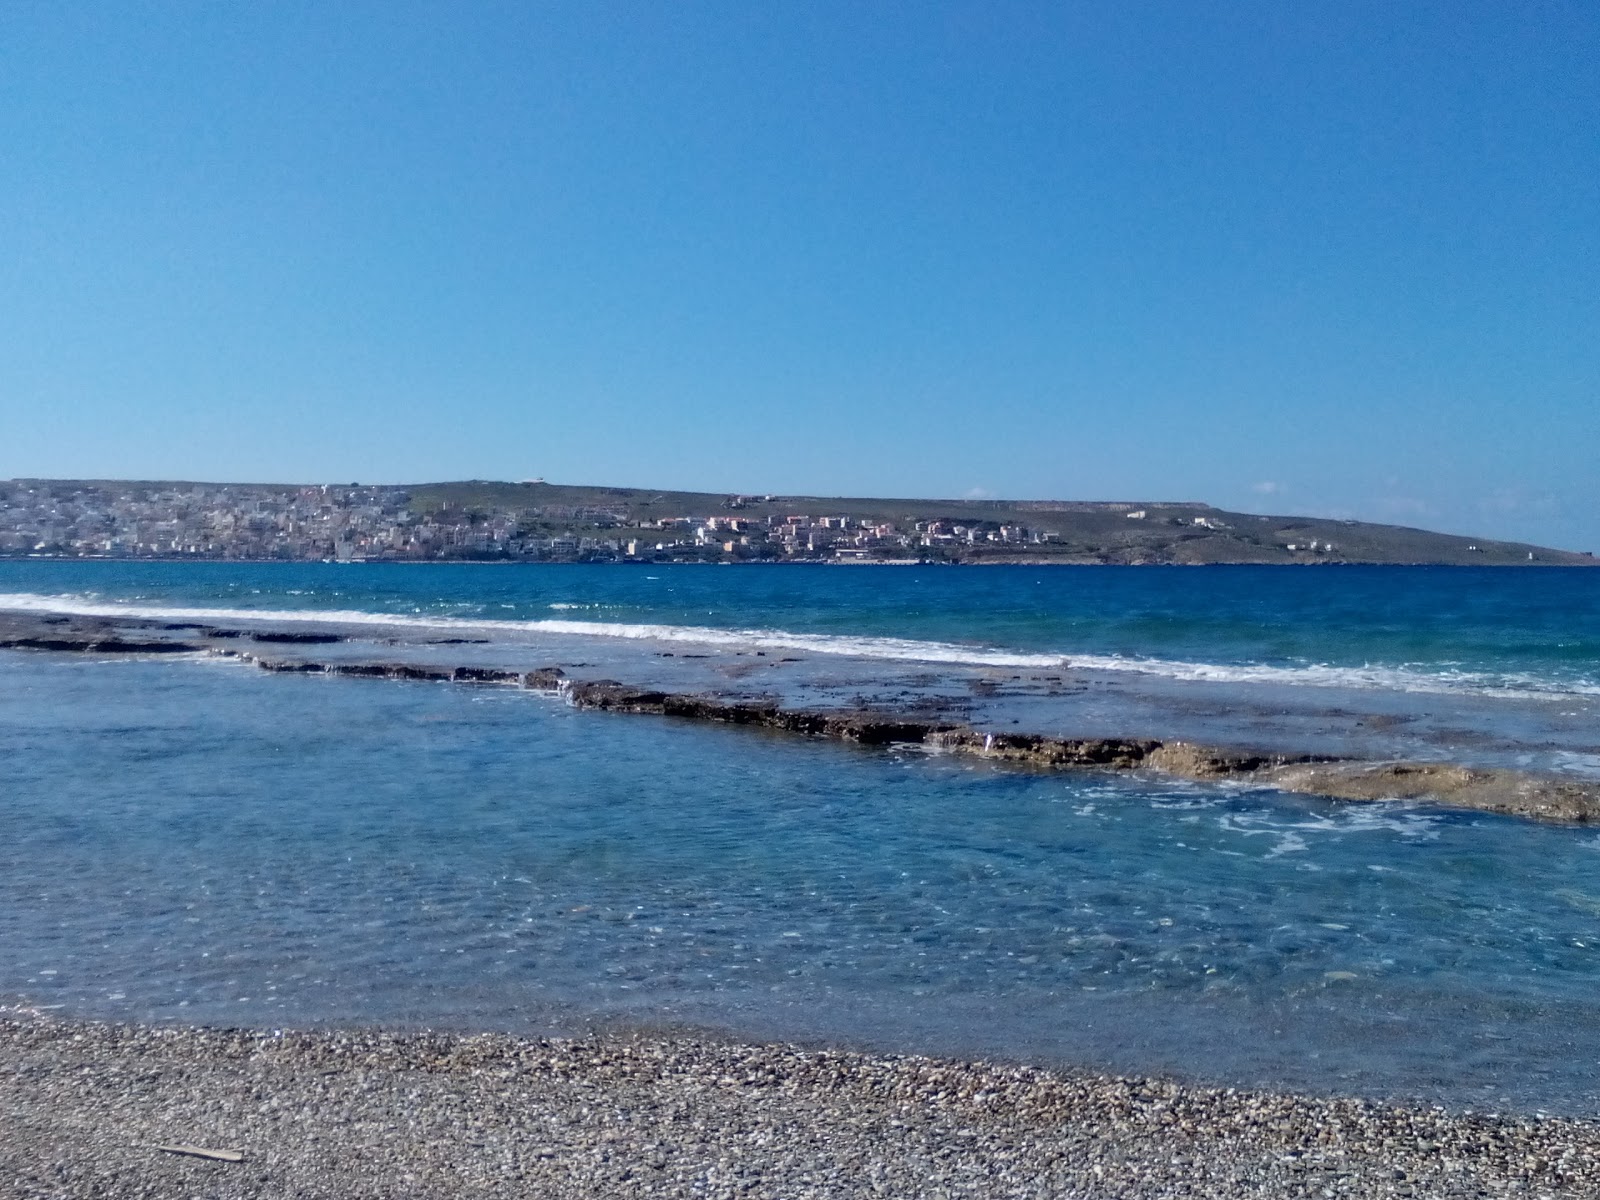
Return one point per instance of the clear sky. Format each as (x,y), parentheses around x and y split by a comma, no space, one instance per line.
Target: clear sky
(1330,256)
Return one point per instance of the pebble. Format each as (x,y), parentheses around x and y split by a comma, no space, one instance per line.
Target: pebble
(356,1114)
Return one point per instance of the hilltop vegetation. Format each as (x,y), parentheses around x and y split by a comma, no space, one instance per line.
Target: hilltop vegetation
(1058,531)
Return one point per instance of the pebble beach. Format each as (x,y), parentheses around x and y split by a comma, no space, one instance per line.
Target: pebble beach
(86,1110)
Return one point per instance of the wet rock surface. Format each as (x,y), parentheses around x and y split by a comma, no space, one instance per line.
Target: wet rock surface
(1511,792)
(1490,790)
(370,1114)
(921,722)
(82,635)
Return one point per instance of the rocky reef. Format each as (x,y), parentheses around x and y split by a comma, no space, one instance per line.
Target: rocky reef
(1500,790)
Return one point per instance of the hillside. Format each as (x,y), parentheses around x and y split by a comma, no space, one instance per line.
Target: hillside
(538,521)
(1080,531)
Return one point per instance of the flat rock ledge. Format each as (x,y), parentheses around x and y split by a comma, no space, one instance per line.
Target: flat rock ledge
(1514,793)
(86,1109)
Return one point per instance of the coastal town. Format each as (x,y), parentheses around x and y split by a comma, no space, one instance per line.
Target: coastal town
(355,523)
(535,521)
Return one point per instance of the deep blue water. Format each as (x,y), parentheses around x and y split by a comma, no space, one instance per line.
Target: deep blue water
(193,840)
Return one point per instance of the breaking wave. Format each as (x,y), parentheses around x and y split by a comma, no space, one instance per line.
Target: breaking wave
(1508,685)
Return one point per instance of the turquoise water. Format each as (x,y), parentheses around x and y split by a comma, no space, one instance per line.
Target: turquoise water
(193,840)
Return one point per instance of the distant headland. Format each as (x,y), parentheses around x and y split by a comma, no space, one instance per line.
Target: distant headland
(535,521)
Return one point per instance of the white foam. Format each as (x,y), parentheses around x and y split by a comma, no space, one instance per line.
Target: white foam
(1511,685)
(897,649)
(891,649)
(1287,843)
(1576,762)
(1396,818)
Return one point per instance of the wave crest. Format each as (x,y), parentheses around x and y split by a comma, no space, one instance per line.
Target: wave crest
(890,649)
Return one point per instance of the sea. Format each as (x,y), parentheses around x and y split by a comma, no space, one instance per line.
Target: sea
(188,839)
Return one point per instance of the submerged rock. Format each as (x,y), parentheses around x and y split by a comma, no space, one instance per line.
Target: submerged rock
(1501,790)
(1488,789)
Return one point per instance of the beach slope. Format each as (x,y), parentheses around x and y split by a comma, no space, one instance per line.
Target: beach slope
(86,1110)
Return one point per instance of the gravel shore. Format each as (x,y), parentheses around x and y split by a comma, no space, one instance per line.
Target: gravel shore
(83,1108)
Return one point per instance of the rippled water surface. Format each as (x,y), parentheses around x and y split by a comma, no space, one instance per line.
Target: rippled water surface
(194,840)
(1419,629)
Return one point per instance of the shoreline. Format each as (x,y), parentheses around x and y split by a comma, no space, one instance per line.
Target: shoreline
(357,1113)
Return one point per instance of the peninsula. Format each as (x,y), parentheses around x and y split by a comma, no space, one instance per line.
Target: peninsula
(535,521)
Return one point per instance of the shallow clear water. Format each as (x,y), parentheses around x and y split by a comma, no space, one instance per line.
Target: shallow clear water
(1488,667)
(193,840)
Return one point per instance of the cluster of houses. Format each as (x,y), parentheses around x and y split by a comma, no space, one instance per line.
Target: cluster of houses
(95,520)
(800,536)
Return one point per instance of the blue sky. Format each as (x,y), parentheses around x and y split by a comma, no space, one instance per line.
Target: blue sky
(1332,257)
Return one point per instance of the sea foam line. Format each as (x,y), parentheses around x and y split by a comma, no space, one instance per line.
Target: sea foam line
(895,649)
(888,649)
